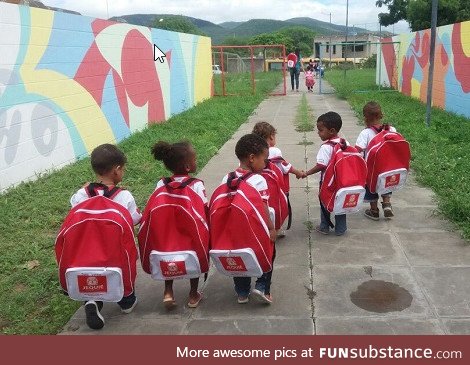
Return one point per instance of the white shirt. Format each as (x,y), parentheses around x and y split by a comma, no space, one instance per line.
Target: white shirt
(366,136)
(255,180)
(284,166)
(123,197)
(196,186)
(326,150)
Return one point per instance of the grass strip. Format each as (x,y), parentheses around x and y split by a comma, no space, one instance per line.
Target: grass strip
(304,116)
(440,156)
(32,213)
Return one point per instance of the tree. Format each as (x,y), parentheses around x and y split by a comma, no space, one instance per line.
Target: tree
(291,37)
(178,23)
(418,12)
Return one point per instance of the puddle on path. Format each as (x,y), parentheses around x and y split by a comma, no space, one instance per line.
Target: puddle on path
(381,297)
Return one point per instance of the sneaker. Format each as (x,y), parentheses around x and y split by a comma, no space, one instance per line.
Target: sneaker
(388,212)
(321,230)
(129,309)
(282,233)
(261,297)
(372,214)
(242,299)
(94,319)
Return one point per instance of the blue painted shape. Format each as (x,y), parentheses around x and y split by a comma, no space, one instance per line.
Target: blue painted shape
(179,93)
(71,38)
(456,100)
(112,111)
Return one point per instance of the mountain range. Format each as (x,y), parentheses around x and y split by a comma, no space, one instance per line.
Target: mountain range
(250,28)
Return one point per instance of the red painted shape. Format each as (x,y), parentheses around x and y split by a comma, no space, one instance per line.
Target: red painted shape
(461,61)
(140,76)
(99,24)
(390,61)
(408,69)
(92,73)
(168,58)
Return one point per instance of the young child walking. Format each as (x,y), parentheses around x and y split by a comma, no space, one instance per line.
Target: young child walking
(328,126)
(180,159)
(252,152)
(108,164)
(372,113)
(268,133)
(309,78)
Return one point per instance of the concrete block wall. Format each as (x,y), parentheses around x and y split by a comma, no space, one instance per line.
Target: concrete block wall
(405,67)
(69,83)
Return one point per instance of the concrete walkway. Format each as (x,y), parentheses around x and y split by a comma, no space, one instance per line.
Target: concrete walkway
(408,275)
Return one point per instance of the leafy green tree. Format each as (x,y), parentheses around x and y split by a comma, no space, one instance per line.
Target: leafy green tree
(291,37)
(418,12)
(177,23)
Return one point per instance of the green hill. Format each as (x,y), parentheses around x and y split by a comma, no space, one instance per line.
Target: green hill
(219,32)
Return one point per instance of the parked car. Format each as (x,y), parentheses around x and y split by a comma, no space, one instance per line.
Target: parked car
(216,70)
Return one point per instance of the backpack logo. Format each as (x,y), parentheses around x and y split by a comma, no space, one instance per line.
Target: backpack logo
(351,200)
(233,263)
(173,268)
(92,284)
(392,180)
(290,63)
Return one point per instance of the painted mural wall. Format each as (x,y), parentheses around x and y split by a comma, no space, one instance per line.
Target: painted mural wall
(69,83)
(405,67)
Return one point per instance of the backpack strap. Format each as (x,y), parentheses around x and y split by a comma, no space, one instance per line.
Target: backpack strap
(233,181)
(107,193)
(342,143)
(383,127)
(168,180)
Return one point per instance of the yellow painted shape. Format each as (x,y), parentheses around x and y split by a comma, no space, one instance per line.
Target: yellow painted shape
(74,99)
(415,88)
(203,70)
(465,33)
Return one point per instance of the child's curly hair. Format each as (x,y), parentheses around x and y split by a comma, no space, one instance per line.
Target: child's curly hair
(250,144)
(264,130)
(174,156)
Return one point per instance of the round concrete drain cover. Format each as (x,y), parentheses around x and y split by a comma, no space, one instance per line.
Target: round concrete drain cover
(381,297)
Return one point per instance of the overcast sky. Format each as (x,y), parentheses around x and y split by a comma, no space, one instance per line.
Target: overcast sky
(362,13)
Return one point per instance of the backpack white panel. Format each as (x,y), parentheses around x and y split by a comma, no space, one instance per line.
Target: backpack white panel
(348,200)
(95,283)
(391,181)
(240,262)
(174,262)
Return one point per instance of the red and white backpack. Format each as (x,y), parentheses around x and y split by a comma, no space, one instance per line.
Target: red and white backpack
(240,243)
(95,249)
(174,233)
(291,60)
(388,158)
(277,198)
(342,189)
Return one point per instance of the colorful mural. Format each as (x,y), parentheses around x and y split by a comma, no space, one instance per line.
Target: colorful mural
(406,67)
(69,83)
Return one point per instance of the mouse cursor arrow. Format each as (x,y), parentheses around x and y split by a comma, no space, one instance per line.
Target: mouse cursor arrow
(158,54)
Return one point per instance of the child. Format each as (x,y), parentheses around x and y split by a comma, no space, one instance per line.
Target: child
(268,132)
(180,158)
(372,119)
(309,79)
(252,151)
(108,163)
(328,125)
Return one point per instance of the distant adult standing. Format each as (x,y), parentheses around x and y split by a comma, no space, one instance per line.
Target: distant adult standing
(294,63)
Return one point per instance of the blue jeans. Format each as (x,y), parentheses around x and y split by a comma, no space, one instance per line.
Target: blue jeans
(340,222)
(294,74)
(373,197)
(263,283)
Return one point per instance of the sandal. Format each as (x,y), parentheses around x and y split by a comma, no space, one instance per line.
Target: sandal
(387,208)
(169,302)
(196,303)
(372,214)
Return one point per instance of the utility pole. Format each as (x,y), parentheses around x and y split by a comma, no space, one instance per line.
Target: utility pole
(346,39)
(331,30)
(432,49)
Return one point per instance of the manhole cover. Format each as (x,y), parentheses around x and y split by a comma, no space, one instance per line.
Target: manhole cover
(381,297)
